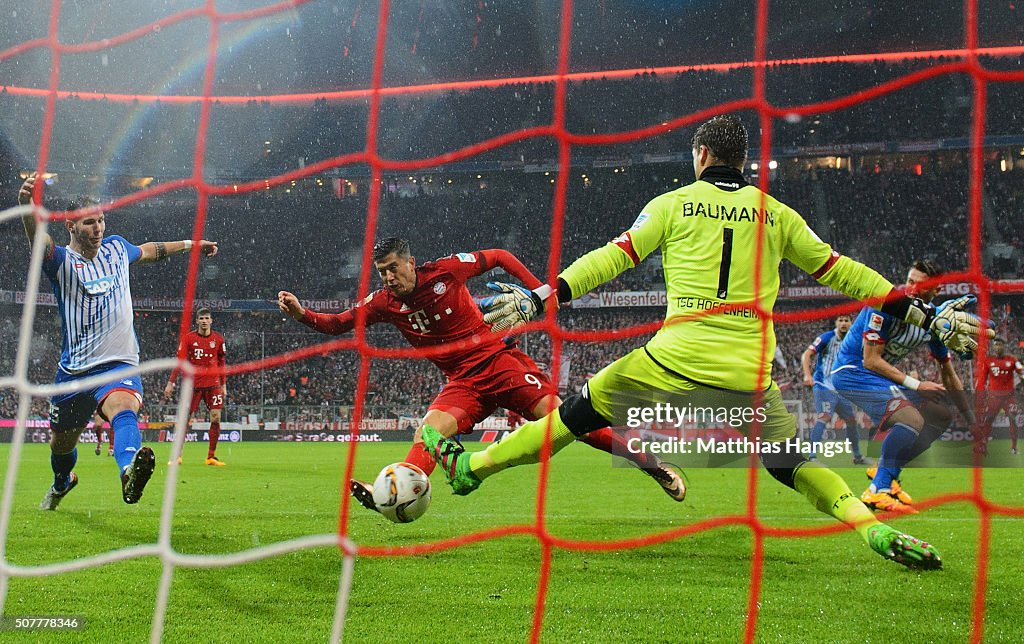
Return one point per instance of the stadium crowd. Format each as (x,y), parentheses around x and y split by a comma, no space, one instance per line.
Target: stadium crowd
(269,238)
(395,387)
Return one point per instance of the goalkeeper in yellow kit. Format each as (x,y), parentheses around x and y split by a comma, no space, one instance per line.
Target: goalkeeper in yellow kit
(714,345)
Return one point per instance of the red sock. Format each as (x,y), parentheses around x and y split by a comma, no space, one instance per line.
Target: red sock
(613,442)
(1013,435)
(214,436)
(110,437)
(420,458)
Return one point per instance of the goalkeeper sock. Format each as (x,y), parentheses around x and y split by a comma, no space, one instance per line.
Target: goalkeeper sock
(817,434)
(613,442)
(62,465)
(830,494)
(419,457)
(127,439)
(521,447)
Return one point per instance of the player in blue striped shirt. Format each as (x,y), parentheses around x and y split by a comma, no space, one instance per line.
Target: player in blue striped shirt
(90,281)
(827,402)
(915,412)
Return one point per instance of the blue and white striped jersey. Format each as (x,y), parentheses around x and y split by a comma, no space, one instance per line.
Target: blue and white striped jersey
(899,338)
(826,348)
(95,304)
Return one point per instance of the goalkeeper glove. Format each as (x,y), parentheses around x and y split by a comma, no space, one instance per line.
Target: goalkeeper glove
(512,307)
(951,324)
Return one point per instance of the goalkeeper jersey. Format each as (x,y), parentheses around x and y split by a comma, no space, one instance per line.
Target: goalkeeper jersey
(708,234)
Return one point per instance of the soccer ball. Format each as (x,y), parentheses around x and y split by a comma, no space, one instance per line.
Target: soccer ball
(402,492)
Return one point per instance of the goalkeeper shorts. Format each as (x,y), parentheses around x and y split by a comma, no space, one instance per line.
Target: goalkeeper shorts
(622,391)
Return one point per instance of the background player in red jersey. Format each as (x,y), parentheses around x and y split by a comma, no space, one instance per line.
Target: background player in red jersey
(97,426)
(434,311)
(998,392)
(514,420)
(204,348)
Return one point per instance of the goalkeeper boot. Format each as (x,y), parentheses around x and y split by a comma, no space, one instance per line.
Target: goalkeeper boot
(453,459)
(53,497)
(882,501)
(670,478)
(137,474)
(363,493)
(903,548)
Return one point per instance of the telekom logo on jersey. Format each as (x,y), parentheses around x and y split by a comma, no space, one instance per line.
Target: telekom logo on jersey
(419,321)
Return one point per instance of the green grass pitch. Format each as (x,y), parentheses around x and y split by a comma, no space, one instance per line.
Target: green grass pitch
(694,589)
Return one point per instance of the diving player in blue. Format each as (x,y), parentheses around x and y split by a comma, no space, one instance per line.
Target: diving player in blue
(916,412)
(90,281)
(827,403)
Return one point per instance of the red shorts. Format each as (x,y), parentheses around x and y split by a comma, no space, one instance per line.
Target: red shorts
(996,400)
(212,396)
(511,380)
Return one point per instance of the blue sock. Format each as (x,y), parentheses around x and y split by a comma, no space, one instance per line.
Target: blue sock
(895,448)
(62,465)
(127,438)
(853,435)
(817,434)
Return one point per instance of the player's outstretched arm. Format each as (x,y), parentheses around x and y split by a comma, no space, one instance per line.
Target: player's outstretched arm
(955,387)
(29,220)
(514,306)
(155,251)
(329,323)
(805,362)
(288,303)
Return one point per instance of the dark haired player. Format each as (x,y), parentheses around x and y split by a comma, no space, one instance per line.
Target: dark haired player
(827,403)
(434,311)
(914,411)
(714,344)
(90,279)
(204,348)
(997,388)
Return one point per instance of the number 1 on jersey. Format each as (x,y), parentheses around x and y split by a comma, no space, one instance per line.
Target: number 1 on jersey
(723,271)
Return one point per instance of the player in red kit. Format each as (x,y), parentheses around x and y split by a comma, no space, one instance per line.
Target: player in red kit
(997,388)
(434,311)
(514,420)
(97,426)
(204,348)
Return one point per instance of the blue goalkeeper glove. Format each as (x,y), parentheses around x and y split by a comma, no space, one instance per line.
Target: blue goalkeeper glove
(958,329)
(512,307)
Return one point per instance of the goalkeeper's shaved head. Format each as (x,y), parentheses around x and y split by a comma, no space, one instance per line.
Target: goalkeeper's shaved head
(726,138)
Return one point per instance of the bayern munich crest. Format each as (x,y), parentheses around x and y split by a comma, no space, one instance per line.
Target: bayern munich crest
(440,288)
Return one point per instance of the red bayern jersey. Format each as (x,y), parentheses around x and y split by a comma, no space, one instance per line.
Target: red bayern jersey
(1000,372)
(204,352)
(439,314)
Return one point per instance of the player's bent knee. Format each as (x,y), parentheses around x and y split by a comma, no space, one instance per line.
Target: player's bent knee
(579,416)
(782,465)
(937,414)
